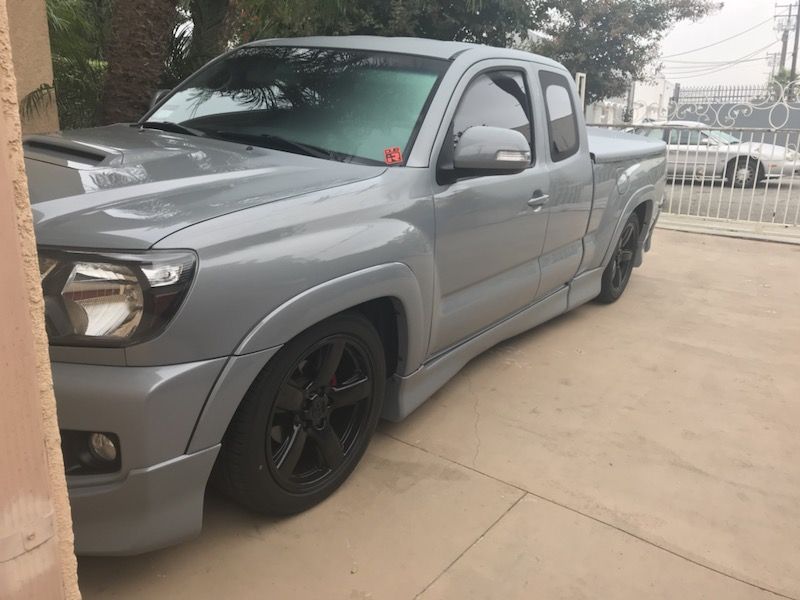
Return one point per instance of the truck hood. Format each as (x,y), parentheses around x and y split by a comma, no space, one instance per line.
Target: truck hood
(117,187)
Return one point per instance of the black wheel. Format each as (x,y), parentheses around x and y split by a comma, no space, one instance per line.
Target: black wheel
(618,271)
(743,173)
(307,419)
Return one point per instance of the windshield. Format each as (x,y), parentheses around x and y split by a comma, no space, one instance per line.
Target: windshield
(349,105)
(722,137)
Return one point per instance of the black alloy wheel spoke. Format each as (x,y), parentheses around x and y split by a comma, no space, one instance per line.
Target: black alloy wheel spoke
(319,413)
(329,445)
(623,258)
(290,398)
(288,462)
(330,357)
(626,236)
(349,393)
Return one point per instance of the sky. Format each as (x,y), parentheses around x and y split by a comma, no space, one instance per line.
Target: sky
(705,67)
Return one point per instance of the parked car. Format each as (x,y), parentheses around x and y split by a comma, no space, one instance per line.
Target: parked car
(697,152)
(302,237)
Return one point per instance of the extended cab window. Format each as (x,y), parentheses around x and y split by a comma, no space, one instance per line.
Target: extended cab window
(562,124)
(496,99)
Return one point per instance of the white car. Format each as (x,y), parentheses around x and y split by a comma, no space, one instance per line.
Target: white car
(697,152)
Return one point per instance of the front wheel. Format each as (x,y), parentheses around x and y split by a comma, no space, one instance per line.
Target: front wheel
(618,271)
(307,419)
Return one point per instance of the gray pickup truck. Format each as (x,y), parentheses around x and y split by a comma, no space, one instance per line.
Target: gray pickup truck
(302,237)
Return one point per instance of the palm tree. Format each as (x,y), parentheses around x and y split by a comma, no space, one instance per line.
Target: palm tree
(77,38)
(136,50)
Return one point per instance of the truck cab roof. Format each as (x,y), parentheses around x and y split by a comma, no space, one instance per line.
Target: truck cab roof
(408,45)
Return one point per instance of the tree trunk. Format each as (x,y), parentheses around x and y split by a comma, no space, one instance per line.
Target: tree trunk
(136,49)
(209,20)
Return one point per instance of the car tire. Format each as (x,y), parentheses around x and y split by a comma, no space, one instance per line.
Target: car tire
(307,419)
(618,271)
(744,172)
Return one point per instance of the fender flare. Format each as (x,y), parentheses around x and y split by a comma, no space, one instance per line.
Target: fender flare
(393,280)
(641,196)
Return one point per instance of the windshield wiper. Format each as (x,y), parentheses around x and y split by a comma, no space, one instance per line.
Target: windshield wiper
(171,127)
(270,140)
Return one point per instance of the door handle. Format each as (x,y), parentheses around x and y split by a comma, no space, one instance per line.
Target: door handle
(538,201)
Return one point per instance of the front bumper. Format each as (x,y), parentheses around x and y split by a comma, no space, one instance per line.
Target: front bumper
(156,497)
(151,508)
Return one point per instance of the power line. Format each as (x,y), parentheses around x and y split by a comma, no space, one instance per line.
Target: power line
(714,69)
(686,64)
(709,71)
(721,41)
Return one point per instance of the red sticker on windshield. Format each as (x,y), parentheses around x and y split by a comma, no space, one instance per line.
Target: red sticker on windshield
(392,156)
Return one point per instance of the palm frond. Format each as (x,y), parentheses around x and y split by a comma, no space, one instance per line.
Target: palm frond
(36,102)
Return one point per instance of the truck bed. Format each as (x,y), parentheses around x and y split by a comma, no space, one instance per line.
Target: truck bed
(607,145)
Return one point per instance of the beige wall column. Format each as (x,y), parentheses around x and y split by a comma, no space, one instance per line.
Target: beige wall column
(36,555)
(33,62)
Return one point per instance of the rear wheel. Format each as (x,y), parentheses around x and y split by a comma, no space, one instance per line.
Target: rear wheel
(743,173)
(307,419)
(618,271)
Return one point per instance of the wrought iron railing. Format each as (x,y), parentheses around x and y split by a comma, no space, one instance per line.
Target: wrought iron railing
(731,173)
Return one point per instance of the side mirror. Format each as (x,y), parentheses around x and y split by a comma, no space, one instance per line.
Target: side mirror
(157,96)
(483,148)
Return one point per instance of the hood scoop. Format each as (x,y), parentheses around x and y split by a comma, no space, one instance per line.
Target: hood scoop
(69,153)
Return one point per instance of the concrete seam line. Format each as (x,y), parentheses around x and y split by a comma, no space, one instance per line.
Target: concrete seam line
(475,541)
(588,516)
(764,239)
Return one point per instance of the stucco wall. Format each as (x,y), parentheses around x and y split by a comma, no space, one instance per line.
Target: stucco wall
(30,44)
(36,547)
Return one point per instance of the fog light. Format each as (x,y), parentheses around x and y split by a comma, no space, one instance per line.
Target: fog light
(102,447)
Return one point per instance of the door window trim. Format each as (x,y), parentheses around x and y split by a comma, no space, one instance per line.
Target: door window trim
(529,113)
(545,73)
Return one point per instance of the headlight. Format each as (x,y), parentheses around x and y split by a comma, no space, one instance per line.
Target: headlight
(110,299)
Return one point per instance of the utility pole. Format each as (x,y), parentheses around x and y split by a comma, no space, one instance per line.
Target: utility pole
(784,24)
(796,42)
(784,48)
(774,64)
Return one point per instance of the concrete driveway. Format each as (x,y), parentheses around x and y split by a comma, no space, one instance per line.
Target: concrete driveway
(647,449)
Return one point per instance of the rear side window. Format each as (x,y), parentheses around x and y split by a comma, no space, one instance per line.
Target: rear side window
(562,124)
(496,99)
(684,137)
(655,134)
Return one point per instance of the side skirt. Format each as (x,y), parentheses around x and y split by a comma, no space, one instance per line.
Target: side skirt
(405,394)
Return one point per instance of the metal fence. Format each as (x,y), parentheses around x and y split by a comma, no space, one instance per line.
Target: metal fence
(738,94)
(735,174)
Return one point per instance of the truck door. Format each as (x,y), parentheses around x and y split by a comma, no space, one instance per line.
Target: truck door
(490,228)
(571,182)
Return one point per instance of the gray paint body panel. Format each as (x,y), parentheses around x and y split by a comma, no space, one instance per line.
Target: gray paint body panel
(284,241)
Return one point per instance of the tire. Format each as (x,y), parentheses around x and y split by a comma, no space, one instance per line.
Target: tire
(744,172)
(618,271)
(307,419)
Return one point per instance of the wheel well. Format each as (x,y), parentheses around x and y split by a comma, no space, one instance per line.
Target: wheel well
(643,212)
(388,317)
(737,159)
